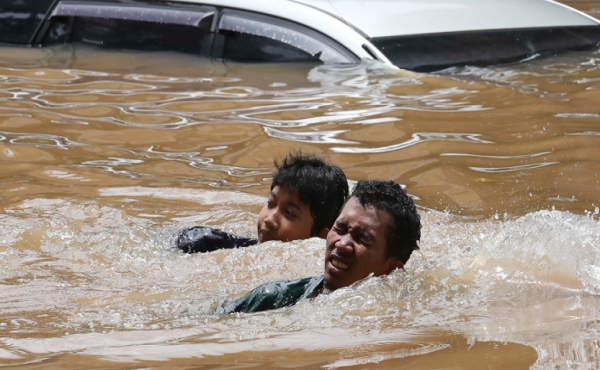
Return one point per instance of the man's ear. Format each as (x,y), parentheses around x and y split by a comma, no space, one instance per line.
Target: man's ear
(323,233)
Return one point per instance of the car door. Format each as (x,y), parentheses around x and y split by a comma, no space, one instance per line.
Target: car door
(130,25)
(243,36)
(20,19)
(221,33)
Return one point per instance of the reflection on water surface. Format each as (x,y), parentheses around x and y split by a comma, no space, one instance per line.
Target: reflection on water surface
(106,155)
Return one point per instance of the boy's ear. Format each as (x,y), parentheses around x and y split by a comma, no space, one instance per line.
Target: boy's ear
(394,264)
(323,233)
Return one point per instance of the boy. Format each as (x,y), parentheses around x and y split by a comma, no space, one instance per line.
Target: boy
(305,199)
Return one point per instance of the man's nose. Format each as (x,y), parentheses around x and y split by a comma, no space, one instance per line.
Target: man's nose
(345,244)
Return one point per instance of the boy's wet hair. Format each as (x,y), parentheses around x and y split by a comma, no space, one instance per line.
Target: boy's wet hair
(320,186)
(388,196)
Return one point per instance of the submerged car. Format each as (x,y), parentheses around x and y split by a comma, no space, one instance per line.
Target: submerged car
(422,35)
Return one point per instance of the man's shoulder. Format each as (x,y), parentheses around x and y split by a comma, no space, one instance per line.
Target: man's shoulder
(272,295)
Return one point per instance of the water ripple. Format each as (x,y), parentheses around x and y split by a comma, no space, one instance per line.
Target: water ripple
(531,155)
(39,140)
(177,80)
(113,161)
(586,133)
(577,115)
(417,138)
(513,168)
(321,137)
(193,159)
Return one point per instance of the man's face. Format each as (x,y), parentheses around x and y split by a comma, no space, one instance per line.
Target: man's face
(284,217)
(356,246)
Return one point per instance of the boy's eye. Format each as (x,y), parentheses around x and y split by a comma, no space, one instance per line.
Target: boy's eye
(269,203)
(289,213)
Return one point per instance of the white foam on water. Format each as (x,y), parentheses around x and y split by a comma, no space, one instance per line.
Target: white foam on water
(78,272)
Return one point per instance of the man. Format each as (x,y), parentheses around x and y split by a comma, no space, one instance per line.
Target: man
(376,232)
(306,197)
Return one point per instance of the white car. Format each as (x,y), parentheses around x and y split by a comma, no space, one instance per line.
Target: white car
(413,34)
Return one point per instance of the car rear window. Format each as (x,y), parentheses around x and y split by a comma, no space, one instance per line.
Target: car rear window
(428,53)
(20,18)
(137,35)
(130,26)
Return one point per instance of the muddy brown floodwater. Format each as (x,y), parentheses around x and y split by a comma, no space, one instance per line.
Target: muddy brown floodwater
(105,155)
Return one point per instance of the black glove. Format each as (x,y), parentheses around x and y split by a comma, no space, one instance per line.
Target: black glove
(200,239)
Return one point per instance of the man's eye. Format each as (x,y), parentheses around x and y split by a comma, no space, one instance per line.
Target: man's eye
(269,203)
(365,239)
(339,229)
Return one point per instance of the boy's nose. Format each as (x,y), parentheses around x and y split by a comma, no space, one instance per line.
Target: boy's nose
(272,219)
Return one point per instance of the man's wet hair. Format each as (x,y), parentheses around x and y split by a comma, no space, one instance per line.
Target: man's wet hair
(320,186)
(388,196)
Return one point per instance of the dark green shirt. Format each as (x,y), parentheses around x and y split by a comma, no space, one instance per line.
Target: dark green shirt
(271,296)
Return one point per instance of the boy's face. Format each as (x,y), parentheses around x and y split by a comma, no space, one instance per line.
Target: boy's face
(284,217)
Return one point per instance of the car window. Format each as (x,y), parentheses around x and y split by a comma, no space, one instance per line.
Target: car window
(428,53)
(257,38)
(19,19)
(131,26)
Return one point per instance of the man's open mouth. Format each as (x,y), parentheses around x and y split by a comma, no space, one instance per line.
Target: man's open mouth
(339,264)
